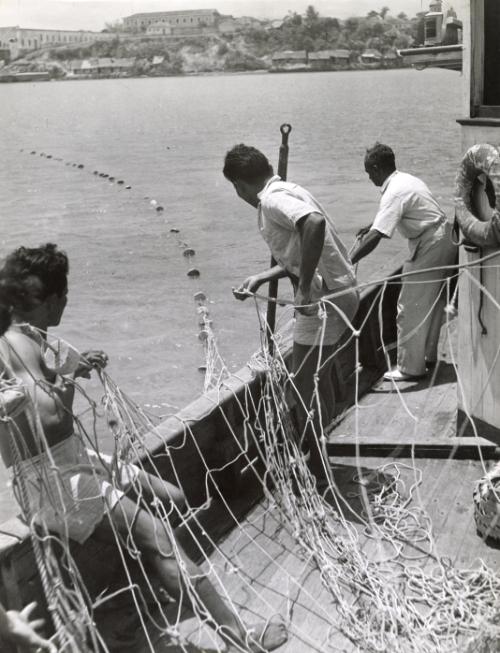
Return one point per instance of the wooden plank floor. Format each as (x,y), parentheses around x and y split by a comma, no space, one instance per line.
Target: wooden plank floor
(394,417)
(263,571)
(415,410)
(260,565)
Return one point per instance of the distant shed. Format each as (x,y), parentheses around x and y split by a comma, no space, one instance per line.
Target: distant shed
(371,57)
(290,58)
(329,59)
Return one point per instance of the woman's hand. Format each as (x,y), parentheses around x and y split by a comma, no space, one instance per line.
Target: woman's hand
(19,628)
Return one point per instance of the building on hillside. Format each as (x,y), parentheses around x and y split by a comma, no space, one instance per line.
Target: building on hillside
(105,66)
(274,24)
(192,21)
(4,55)
(231,25)
(248,21)
(329,59)
(19,41)
(289,60)
(159,29)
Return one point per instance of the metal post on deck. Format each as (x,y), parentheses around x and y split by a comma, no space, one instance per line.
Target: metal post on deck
(285,130)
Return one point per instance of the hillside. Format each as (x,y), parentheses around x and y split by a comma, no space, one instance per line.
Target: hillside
(247,49)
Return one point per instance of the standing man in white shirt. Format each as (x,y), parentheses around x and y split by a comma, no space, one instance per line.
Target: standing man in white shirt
(307,249)
(408,205)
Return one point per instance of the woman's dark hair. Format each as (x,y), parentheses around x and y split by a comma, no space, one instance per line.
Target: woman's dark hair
(382,156)
(28,276)
(246,163)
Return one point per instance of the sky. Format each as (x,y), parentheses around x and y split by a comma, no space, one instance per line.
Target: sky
(93,14)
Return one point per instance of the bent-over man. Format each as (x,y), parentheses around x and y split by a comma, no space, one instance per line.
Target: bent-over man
(408,205)
(305,244)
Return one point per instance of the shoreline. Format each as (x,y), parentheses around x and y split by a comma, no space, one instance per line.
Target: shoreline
(208,73)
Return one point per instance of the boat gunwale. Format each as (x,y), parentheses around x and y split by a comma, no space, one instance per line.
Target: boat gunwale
(203,410)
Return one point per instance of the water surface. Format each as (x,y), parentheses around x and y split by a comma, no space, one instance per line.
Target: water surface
(166,137)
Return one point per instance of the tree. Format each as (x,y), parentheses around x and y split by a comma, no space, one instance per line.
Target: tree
(330,28)
(294,18)
(352,24)
(312,15)
(383,12)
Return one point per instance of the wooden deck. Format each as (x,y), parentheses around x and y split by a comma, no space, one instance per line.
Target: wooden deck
(271,577)
(417,418)
(259,563)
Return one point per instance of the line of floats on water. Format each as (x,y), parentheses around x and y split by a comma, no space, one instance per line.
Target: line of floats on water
(200,297)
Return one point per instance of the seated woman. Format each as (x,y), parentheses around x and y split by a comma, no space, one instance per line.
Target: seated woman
(76,496)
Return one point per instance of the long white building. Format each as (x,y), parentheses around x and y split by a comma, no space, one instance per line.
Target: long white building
(19,40)
(178,22)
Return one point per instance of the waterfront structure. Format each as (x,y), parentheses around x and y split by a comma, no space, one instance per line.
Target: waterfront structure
(371,58)
(19,40)
(180,23)
(290,59)
(328,59)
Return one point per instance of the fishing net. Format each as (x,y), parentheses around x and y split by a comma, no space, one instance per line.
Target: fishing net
(386,586)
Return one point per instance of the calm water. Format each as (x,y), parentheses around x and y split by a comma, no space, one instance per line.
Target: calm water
(129,289)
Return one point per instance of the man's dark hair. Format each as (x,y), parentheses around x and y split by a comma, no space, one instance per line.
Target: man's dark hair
(30,275)
(382,156)
(246,163)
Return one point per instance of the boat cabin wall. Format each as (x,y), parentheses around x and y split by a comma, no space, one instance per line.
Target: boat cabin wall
(481,62)
(433,28)
(479,317)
